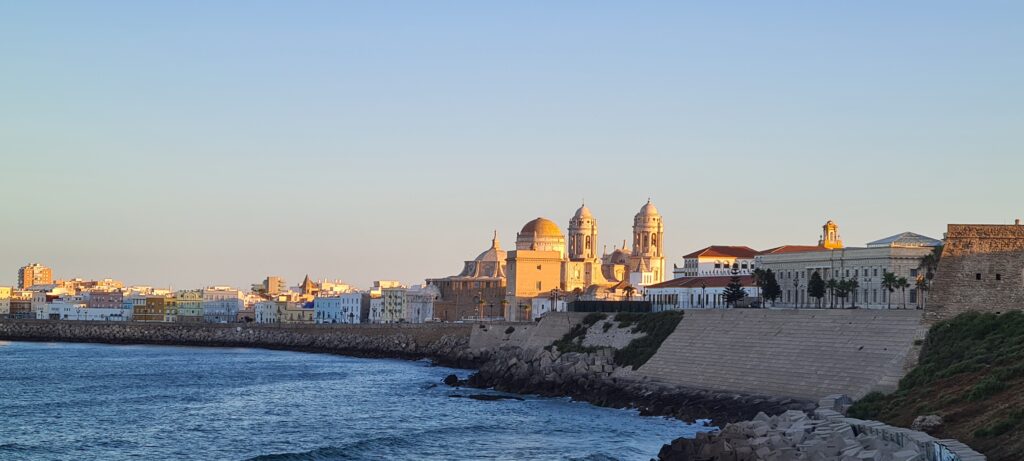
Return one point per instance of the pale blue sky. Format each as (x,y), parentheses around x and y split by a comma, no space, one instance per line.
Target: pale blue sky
(187,143)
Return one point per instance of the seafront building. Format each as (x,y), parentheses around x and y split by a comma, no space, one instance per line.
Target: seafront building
(900,254)
(265,312)
(341,307)
(394,304)
(419,303)
(221,304)
(190,306)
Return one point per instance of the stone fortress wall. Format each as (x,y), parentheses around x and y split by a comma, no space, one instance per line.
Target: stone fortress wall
(982,269)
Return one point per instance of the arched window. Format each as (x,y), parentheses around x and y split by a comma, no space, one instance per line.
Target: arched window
(588,243)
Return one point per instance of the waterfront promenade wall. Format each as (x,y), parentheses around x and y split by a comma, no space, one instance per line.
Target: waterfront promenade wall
(808,353)
(435,340)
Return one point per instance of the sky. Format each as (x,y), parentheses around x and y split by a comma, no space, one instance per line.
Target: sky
(192,143)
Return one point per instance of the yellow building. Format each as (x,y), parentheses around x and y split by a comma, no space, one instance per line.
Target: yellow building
(294,312)
(534,267)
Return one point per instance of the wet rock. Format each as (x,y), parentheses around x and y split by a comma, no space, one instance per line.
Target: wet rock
(927,424)
(453,381)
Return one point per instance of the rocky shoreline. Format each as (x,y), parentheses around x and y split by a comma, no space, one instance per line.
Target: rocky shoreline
(594,378)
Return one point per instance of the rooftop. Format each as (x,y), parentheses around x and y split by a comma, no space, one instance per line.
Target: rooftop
(724,251)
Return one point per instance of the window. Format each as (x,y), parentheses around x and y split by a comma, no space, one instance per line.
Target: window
(977,276)
(875,272)
(538,286)
(913,272)
(999,276)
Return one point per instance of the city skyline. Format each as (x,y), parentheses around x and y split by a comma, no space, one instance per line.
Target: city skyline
(186,147)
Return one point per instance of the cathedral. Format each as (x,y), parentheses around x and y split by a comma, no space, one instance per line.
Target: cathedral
(547,263)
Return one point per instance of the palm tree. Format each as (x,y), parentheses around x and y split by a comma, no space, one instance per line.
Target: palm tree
(760,277)
(831,285)
(629,290)
(889,283)
(851,287)
(902,284)
(922,286)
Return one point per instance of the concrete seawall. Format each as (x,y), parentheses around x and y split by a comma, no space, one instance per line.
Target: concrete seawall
(442,342)
(797,353)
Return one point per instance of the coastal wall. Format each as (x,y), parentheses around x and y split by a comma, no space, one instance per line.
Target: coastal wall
(443,342)
(797,353)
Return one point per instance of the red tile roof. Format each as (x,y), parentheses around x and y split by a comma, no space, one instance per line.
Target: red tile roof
(717,281)
(792,249)
(724,251)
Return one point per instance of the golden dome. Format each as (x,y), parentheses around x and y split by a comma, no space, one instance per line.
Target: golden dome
(542,227)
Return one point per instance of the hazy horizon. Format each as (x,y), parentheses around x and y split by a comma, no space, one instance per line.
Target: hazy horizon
(189,144)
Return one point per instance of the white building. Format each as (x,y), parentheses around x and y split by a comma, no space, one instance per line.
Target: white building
(900,254)
(221,304)
(694,292)
(717,260)
(541,305)
(339,308)
(266,312)
(76,309)
(420,303)
(376,310)
(395,304)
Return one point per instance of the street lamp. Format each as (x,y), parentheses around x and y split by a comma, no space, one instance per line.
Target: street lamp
(796,293)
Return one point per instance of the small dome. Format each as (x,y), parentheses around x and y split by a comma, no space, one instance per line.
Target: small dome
(648,209)
(542,227)
(583,212)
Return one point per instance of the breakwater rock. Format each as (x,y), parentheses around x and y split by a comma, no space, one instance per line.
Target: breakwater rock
(827,435)
(593,377)
(445,344)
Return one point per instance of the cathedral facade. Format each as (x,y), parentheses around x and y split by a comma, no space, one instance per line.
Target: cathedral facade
(549,264)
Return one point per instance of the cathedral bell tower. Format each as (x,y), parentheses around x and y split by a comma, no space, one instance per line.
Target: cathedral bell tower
(648,250)
(582,235)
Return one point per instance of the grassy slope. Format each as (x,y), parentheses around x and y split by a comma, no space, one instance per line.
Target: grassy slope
(971,372)
(656,328)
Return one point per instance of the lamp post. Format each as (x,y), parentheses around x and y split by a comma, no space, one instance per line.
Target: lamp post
(796,293)
(703,296)
(554,298)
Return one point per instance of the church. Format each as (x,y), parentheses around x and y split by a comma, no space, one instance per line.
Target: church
(548,264)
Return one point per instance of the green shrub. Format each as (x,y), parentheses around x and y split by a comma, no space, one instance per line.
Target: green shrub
(988,347)
(656,328)
(573,341)
(594,317)
(1001,426)
(868,407)
(986,388)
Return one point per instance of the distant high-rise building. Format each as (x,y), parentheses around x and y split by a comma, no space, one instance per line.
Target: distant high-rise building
(34,274)
(274,285)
